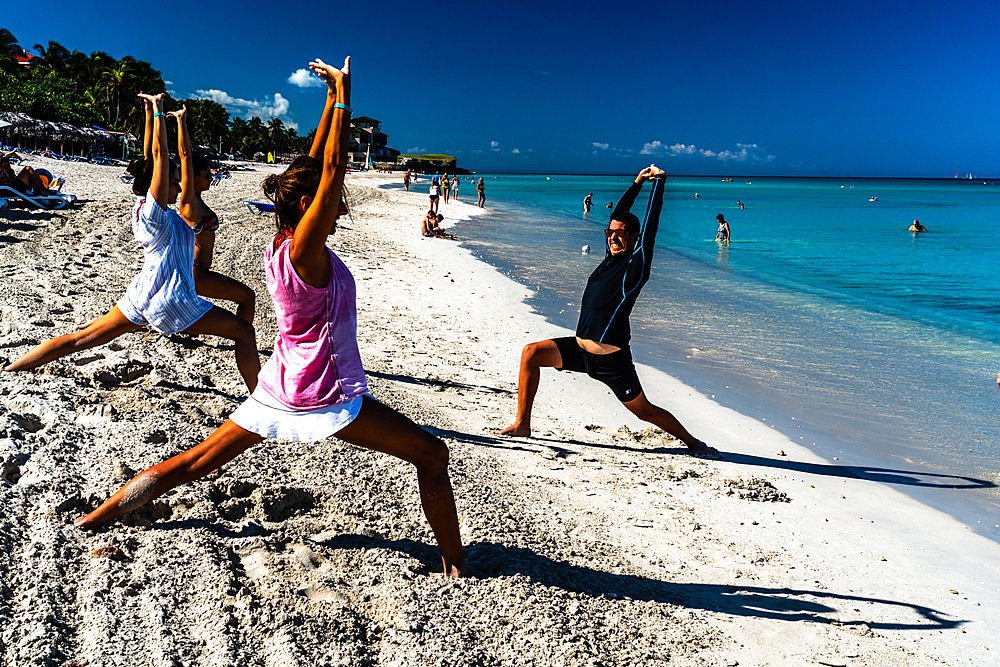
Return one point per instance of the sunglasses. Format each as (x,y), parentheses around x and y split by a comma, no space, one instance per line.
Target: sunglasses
(614,232)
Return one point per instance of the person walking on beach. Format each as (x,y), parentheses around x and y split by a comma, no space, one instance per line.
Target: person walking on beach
(445,188)
(601,346)
(917,227)
(314,384)
(454,187)
(163,295)
(481,188)
(588,202)
(196,178)
(722,236)
(406,180)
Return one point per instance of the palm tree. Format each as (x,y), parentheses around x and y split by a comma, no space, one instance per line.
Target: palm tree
(52,59)
(115,78)
(9,48)
(277,134)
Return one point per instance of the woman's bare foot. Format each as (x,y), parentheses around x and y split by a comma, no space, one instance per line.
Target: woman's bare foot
(515,431)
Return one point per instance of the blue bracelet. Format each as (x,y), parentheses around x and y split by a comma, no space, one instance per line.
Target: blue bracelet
(159,113)
(338,105)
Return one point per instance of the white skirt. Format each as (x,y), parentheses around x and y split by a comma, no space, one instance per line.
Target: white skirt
(263,415)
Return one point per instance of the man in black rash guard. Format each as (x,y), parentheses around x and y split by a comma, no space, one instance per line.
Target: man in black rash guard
(600,348)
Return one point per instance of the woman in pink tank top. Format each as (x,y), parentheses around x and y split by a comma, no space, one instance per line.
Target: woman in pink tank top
(313,386)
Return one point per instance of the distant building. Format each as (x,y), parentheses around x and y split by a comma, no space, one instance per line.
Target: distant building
(367,139)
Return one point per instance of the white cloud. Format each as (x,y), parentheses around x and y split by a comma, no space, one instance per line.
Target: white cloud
(303,78)
(415,150)
(168,83)
(516,151)
(654,148)
(746,152)
(276,108)
(603,147)
(494,146)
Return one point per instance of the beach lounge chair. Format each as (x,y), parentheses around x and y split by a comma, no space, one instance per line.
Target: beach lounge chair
(50,201)
(259,208)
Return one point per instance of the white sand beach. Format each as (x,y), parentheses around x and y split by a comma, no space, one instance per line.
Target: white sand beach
(602,542)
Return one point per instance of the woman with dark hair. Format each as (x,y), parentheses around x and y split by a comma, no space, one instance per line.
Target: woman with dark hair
(314,385)
(196,178)
(163,295)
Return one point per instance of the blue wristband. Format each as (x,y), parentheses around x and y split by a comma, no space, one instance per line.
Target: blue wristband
(338,105)
(159,113)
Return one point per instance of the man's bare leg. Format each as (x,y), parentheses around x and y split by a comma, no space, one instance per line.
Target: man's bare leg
(534,357)
(657,416)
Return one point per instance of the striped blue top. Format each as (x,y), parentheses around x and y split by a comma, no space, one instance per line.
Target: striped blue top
(162,295)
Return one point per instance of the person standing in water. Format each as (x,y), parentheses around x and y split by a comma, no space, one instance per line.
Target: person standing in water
(601,345)
(314,384)
(723,234)
(481,188)
(917,227)
(588,202)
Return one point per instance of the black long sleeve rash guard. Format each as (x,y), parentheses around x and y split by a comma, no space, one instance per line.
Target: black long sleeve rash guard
(614,285)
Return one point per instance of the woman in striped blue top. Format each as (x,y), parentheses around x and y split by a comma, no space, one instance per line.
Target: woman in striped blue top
(163,295)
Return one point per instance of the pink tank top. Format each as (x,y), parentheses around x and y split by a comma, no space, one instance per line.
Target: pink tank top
(316,362)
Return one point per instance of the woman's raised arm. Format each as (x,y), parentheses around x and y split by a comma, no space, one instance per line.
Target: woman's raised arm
(147,138)
(188,205)
(319,215)
(160,185)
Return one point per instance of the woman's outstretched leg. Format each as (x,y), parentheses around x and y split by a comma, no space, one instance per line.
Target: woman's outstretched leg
(382,429)
(225,444)
(218,286)
(101,331)
(220,322)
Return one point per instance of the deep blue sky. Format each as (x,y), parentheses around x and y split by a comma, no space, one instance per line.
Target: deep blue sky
(848,89)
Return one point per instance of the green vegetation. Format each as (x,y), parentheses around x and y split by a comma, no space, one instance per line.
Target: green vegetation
(429,156)
(97,89)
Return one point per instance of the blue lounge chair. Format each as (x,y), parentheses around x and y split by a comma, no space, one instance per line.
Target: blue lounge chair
(259,208)
(48,202)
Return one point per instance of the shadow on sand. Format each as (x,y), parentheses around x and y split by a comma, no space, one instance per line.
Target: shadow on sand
(880,475)
(786,604)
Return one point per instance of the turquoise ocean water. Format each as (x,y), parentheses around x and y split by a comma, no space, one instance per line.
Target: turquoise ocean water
(824,317)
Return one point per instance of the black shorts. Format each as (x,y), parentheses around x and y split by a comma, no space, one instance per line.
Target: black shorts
(616,370)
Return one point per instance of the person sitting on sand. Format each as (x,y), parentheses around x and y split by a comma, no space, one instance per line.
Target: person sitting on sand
(917,227)
(427,224)
(601,346)
(723,234)
(196,178)
(163,295)
(27,181)
(588,202)
(436,228)
(314,384)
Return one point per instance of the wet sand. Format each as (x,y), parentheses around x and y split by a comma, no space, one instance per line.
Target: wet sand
(603,543)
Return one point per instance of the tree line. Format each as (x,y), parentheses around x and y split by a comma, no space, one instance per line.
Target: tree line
(98,89)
